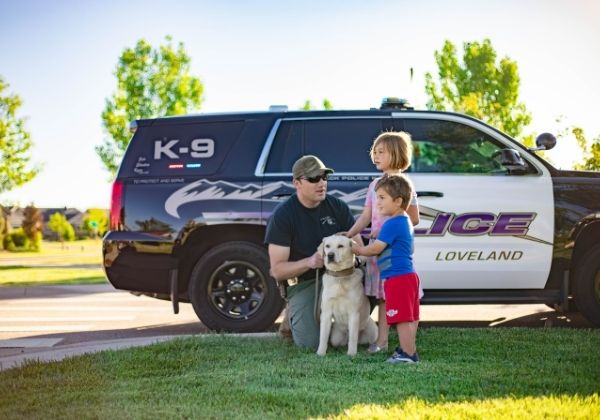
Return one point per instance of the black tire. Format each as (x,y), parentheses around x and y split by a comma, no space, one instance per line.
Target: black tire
(587,285)
(231,290)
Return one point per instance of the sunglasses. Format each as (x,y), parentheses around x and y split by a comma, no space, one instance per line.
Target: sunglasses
(315,179)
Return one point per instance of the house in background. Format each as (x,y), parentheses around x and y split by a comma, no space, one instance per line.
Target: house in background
(14,216)
(73,216)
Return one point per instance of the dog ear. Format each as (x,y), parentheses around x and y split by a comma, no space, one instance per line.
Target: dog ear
(321,247)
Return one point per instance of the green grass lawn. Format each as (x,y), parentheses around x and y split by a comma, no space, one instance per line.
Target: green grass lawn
(35,276)
(76,262)
(56,249)
(464,373)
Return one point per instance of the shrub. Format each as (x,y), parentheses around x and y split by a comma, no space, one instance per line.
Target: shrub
(64,230)
(17,241)
(68,234)
(95,222)
(32,222)
(36,243)
(3,229)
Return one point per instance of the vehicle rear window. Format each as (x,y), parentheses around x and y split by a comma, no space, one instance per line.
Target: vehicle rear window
(179,149)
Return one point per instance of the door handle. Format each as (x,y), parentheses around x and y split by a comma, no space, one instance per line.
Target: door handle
(429,194)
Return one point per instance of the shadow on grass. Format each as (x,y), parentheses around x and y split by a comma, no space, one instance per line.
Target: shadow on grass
(13,267)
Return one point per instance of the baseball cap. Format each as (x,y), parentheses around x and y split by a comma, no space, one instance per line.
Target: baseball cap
(309,166)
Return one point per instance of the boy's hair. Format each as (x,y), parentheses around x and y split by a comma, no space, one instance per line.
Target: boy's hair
(398,144)
(396,186)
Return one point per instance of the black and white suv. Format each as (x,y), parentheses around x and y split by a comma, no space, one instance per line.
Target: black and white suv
(498,223)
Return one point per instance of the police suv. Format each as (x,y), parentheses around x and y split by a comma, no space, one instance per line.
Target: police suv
(498,223)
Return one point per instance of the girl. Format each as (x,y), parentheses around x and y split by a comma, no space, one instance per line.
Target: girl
(391,153)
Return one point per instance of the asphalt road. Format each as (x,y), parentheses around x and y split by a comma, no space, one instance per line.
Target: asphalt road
(75,314)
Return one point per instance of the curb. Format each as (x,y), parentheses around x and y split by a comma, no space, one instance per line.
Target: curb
(62,352)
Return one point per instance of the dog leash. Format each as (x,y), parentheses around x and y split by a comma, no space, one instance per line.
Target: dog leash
(317,303)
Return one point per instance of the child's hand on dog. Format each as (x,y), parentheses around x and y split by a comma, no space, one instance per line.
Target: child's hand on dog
(356,248)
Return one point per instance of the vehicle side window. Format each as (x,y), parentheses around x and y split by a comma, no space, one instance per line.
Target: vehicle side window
(343,144)
(451,147)
(287,147)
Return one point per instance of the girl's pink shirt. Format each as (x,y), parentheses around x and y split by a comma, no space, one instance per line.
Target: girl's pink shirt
(377,218)
(371,201)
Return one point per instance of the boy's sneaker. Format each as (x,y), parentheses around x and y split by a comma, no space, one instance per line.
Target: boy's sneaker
(400,356)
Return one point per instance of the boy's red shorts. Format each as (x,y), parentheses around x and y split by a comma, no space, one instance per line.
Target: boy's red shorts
(401,298)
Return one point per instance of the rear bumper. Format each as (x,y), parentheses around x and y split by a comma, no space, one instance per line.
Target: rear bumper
(138,266)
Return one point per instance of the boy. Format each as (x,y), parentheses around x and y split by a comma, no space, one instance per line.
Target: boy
(394,246)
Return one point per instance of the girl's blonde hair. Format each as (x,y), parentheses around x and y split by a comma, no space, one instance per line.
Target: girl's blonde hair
(399,146)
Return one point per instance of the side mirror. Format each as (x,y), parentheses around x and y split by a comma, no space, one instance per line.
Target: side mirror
(544,141)
(512,160)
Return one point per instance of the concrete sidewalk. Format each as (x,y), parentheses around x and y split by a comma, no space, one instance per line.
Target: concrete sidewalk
(45,354)
(58,353)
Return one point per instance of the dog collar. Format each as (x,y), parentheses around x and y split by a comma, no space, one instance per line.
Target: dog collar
(342,273)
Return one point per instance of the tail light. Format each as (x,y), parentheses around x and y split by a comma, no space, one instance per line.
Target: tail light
(116,205)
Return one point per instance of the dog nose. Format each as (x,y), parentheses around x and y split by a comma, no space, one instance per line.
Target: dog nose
(331,256)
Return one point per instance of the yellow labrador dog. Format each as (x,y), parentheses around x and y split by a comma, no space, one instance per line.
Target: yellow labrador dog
(345,310)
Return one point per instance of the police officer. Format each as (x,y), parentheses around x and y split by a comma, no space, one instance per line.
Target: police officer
(294,231)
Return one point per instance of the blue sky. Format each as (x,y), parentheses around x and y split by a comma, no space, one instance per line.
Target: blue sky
(59,56)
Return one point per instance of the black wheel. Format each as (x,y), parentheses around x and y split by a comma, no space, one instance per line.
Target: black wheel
(587,285)
(231,290)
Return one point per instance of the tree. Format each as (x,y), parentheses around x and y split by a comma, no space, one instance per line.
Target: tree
(590,150)
(479,87)
(95,222)
(327,105)
(155,226)
(59,224)
(15,143)
(32,226)
(150,83)
(4,213)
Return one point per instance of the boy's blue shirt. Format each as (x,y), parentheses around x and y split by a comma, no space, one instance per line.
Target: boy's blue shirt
(397,232)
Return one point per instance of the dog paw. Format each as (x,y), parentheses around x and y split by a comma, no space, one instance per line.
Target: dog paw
(321,352)
(351,353)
